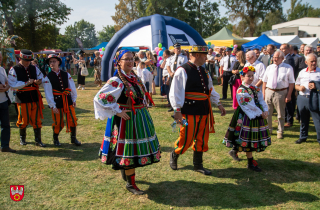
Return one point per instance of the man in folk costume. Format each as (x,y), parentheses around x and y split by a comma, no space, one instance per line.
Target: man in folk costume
(61,95)
(191,96)
(26,78)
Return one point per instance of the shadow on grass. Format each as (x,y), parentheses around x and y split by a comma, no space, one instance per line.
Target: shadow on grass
(67,151)
(250,191)
(256,193)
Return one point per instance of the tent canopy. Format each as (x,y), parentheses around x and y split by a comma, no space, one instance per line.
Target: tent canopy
(259,43)
(311,40)
(292,39)
(225,38)
(148,32)
(103,44)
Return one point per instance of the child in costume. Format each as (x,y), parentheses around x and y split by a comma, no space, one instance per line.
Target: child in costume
(248,130)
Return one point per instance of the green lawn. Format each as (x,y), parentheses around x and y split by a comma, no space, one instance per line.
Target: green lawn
(71,177)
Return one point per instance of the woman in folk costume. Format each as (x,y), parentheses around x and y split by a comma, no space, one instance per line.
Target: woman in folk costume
(97,69)
(130,140)
(248,130)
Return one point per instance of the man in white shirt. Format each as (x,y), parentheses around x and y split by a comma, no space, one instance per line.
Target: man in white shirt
(210,62)
(175,61)
(276,81)
(304,85)
(4,111)
(227,64)
(191,96)
(165,74)
(26,78)
(251,58)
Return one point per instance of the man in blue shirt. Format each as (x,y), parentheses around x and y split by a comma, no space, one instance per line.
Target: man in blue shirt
(63,62)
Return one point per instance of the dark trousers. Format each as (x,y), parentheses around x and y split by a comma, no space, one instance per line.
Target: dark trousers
(147,86)
(5,124)
(303,105)
(226,77)
(290,107)
(168,89)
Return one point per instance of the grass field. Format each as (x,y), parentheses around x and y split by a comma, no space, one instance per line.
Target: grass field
(70,177)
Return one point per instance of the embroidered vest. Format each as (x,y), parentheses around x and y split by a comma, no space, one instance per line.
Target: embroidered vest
(24,75)
(197,81)
(137,94)
(59,83)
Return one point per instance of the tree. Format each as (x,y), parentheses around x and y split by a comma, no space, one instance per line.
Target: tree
(7,8)
(34,20)
(106,34)
(202,16)
(164,7)
(64,42)
(126,11)
(251,11)
(83,30)
(299,10)
(272,18)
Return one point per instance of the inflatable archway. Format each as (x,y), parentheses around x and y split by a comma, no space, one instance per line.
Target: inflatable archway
(149,31)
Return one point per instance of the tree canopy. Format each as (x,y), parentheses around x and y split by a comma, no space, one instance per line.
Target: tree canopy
(34,20)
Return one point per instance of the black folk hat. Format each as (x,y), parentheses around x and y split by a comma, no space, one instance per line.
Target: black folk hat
(26,55)
(53,56)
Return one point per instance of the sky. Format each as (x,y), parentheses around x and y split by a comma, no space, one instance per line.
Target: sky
(99,12)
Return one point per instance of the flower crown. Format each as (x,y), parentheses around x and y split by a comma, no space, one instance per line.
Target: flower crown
(247,69)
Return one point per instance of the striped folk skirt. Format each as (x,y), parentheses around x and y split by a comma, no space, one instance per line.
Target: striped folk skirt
(247,135)
(130,143)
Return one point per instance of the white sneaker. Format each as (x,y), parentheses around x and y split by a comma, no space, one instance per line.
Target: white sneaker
(83,88)
(79,88)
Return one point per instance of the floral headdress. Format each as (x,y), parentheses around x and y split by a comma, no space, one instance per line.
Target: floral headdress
(119,55)
(247,69)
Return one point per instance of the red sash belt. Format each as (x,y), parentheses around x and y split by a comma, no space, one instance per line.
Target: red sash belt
(201,97)
(39,96)
(64,96)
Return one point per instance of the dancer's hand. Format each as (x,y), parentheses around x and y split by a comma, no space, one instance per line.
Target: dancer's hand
(264,115)
(124,115)
(38,82)
(222,110)
(55,110)
(312,86)
(178,117)
(74,104)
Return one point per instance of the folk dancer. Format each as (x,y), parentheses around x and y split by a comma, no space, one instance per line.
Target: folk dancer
(61,95)
(191,96)
(130,140)
(26,78)
(248,130)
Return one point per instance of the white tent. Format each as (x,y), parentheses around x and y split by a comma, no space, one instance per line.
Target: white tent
(250,38)
(310,40)
(292,39)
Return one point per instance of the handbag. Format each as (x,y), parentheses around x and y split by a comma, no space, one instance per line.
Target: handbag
(84,71)
(232,79)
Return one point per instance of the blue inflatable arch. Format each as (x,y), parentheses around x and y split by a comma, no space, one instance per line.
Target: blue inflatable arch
(159,34)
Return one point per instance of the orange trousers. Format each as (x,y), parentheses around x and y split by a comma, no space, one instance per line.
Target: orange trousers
(58,123)
(196,134)
(29,113)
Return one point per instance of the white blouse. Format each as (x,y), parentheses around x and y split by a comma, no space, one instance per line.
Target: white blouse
(49,93)
(247,104)
(178,86)
(15,83)
(105,101)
